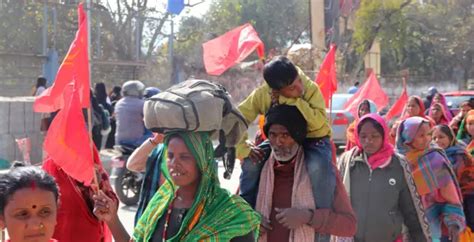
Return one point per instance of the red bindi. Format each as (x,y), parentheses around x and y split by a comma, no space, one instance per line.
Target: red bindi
(34,206)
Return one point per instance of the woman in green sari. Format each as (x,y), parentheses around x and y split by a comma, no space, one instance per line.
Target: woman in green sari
(190,205)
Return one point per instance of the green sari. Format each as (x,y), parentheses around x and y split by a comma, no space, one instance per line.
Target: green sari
(215,215)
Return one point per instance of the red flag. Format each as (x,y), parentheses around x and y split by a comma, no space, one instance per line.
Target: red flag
(67,141)
(371,90)
(326,78)
(397,107)
(231,48)
(75,67)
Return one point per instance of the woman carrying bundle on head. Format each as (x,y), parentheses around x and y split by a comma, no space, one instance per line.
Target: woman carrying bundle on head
(190,205)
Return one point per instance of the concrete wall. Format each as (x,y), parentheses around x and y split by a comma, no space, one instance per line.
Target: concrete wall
(17,120)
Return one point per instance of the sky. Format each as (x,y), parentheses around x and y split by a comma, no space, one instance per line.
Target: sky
(198,10)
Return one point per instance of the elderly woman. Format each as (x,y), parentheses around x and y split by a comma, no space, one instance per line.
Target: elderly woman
(190,205)
(413,108)
(434,177)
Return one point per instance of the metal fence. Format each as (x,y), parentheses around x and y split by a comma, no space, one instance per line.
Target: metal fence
(37,34)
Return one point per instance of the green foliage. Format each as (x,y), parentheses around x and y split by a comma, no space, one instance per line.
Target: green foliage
(430,40)
(20,25)
(372,17)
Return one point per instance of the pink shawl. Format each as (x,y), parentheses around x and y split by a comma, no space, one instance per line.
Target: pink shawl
(382,157)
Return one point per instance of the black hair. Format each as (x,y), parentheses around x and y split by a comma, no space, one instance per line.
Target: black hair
(447,131)
(289,117)
(115,94)
(374,123)
(364,102)
(279,73)
(41,82)
(100,92)
(471,102)
(20,177)
(356,83)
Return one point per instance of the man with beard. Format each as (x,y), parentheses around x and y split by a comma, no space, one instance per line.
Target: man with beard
(285,197)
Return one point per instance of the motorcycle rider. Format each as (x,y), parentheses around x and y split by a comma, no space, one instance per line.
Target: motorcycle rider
(131,129)
(151,91)
(146,159)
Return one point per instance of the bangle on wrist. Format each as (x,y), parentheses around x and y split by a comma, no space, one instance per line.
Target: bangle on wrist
(152,142)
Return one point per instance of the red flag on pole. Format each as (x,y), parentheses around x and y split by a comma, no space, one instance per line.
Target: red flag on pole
(75,68)
(371,90)
(67,141)
(231,48)
(398,106)
(326,78)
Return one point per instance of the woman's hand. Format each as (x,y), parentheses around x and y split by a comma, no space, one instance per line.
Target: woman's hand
(105,208)
(453,232)
(158,138)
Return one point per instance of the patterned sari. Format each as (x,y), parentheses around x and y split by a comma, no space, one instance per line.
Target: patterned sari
(435,180)
(215,215)
(405,115)
(463,165)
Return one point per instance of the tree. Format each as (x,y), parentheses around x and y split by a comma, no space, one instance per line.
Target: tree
(372,17)
(132,24)
(278,22)
(433,40)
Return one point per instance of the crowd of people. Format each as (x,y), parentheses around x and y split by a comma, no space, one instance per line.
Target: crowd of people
(413,181)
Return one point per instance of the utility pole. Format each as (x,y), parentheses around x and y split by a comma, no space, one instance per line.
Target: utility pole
(44,43)
(89,8)
(318,34)
(171,51)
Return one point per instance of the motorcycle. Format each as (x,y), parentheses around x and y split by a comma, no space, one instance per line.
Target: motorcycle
(127,184)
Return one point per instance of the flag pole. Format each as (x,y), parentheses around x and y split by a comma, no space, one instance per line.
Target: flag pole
(89,112)
(330,111)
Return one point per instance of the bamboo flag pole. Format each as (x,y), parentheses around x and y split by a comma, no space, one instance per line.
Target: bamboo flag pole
(89,112)
(330,110)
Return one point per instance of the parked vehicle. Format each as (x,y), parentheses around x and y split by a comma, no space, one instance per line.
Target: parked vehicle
(127,184)
(454,99)
(339,118)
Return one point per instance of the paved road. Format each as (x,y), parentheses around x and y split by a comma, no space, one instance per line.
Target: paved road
(127,214)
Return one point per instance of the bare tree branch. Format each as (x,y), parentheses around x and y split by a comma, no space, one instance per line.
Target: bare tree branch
(151,46)
(375,30)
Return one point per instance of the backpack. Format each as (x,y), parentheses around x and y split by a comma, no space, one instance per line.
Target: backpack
(198,105)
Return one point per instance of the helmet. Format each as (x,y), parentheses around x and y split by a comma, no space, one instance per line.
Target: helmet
(133,88)
(432,91)
(151,91)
